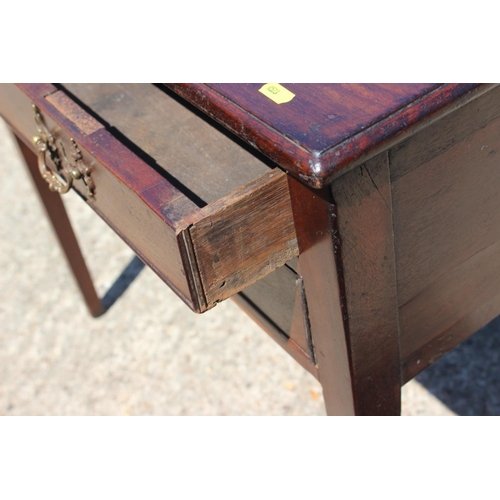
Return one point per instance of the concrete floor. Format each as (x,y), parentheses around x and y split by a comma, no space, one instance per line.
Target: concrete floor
(149,354)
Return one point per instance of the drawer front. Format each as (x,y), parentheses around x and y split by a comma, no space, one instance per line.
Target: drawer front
(205,255)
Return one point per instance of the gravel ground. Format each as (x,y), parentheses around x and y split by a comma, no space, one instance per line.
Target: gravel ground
(149,354)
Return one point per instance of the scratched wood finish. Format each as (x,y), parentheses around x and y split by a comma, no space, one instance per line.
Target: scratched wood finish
(205,161)
(243,237)
(326,128)
(447,226)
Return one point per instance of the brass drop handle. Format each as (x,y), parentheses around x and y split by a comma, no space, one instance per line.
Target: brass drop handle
(67,169)
(59,182)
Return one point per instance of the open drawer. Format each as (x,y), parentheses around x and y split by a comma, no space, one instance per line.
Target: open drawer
(207,215)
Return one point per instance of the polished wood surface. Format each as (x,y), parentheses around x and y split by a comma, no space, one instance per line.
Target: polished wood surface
(322,115)
(326,128)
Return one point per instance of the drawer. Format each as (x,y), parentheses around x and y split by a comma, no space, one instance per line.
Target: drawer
(206,247)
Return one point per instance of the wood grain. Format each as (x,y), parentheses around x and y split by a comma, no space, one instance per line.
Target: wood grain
(241,238)
(86,123)
(189,149)
(327,128)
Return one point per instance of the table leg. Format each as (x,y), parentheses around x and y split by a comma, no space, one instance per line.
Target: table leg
(345,239)
(64,232)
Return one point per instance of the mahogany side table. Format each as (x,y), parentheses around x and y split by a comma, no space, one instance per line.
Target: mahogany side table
(358,224)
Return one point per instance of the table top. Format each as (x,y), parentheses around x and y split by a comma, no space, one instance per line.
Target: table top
(322,129)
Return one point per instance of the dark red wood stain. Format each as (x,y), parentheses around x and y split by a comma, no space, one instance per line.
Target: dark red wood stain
(323,115)
(325,128)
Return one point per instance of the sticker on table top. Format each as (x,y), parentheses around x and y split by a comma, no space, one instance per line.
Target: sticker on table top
(277,93)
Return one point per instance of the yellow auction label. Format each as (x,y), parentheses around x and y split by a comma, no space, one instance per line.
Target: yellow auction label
(277,93)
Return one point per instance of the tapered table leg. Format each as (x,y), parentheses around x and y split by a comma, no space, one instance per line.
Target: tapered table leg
(64,232)
(345,239)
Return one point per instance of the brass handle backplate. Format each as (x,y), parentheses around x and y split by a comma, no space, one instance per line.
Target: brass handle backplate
(60,179)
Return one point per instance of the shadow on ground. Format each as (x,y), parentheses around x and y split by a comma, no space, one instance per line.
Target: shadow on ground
(467,379)
(123,281)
